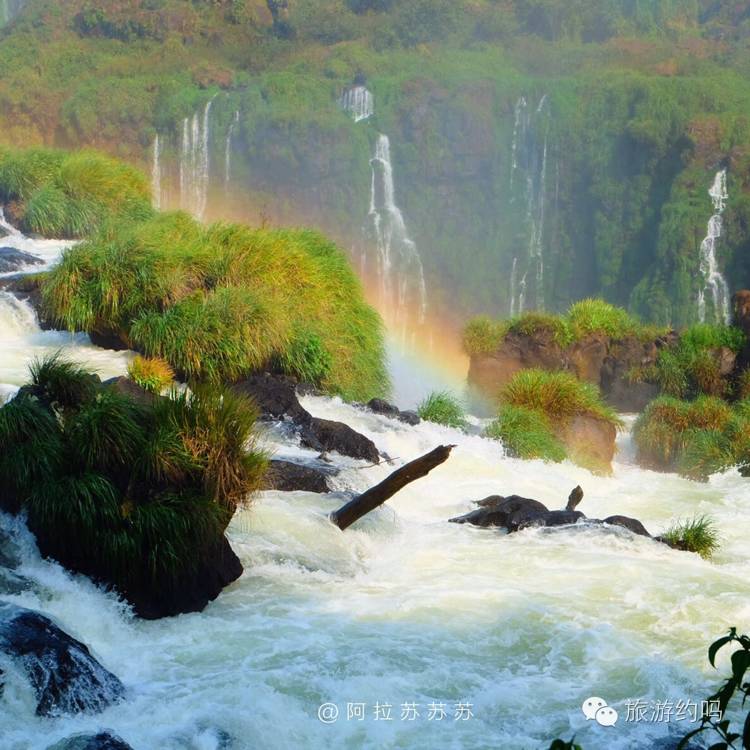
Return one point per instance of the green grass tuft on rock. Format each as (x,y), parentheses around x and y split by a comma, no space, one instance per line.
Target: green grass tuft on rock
(443,407)
(697,535)
(526,433)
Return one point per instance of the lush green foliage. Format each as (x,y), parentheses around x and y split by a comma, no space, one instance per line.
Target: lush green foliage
(443,407)
(132,494)
(715,722)
(626,201)
(696,438)
(697,535)
(60,194)
(483,335)
(218,303)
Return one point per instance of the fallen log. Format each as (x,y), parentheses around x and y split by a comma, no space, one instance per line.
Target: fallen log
(377,495)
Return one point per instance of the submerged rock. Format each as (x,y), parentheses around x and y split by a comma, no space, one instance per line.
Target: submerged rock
(101,741)
(631,524)
(287,476)
(66,678)
(12,260)
(379,406)
(510,512)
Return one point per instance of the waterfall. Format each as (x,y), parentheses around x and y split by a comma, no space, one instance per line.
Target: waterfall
(195,162)
(228,150)
(400,272)
(156,173)
(9,229)
(528,183)
(513,282)
(358,102)
(713,281)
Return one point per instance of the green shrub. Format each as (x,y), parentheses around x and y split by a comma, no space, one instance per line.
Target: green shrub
(444,408)
(220,302)
(61,383)
(135,495)
(526,433)
(697,535)
(695,438)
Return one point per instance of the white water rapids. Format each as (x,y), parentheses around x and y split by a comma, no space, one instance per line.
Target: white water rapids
(407,608)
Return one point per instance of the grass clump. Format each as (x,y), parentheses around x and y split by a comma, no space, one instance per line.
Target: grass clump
(696,534)
(153,375)
(694,438)
(443,407)
(71,194)
(483,335)
(537,406)
(137,496)
(527,434)
(557,395)
(220,302)
(693,365)
(584,318)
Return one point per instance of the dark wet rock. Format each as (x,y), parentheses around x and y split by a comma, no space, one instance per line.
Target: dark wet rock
(575,497)
(126,387)
(631,524)
(64,675)
(12,260)
(108,340)
(325,435)
(287,476)
(380,406)
(101,741)
(276,398)
(507,512)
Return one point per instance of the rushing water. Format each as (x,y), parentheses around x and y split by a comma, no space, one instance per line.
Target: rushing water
(404,607)
(156,172)
(714,282)
(358,102)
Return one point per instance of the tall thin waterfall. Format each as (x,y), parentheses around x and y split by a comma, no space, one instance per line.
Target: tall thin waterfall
(713,281)
(400,272)
(528,184)
(156,173)
(228,150)
(195,162)
(359,102)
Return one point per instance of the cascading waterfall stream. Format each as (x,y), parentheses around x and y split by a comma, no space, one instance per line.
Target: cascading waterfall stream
(713,280)
(400,272)
(528,185)
(228,150)
(358,102)
(195,163)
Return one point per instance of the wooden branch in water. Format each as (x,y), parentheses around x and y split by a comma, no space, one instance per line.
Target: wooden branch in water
(377,495)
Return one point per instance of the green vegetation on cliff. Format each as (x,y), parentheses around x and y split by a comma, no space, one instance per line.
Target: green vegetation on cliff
(135,494)
(694,438)
(644,103)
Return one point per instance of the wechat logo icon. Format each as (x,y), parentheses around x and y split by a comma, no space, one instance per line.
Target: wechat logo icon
(596,709)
